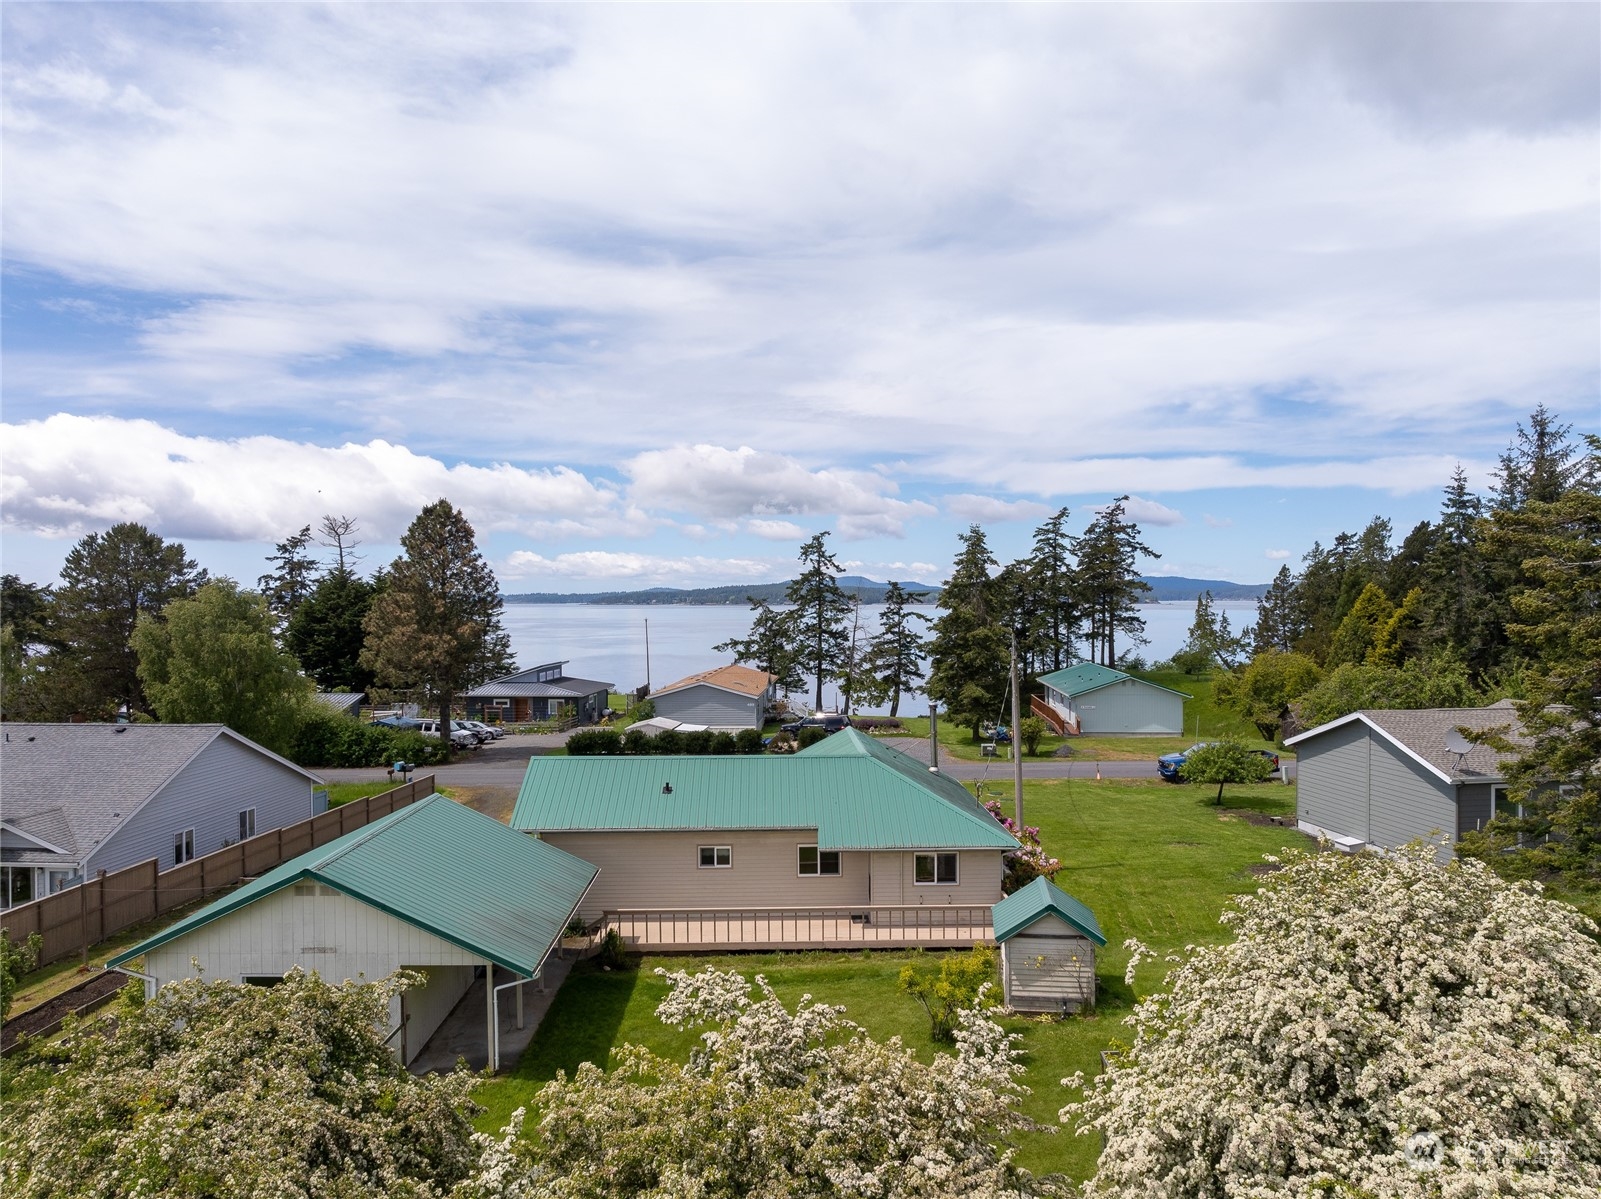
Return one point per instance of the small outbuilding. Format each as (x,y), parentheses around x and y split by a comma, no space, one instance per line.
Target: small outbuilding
(1048,942)
(434,887)
(728,698)
(1089,698)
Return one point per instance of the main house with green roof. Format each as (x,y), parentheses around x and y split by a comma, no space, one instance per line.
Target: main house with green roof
(434,887)
(1086,698)
(846,825)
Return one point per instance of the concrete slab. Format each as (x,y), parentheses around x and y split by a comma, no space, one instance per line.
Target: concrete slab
(465,1031)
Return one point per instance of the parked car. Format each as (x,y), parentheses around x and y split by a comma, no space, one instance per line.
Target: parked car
(459,737)
(486,732)
(829,722)
(395,722)
(1168,765)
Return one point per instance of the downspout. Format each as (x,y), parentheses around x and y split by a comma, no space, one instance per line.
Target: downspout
(494,1005)
(151,985)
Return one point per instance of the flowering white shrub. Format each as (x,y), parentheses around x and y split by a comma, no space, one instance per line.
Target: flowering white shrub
(773,1102)
(219,1090)
(1380,1026)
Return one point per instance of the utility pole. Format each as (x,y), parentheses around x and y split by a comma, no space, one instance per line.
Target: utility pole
(933,735)
(647,655)
(1017,744)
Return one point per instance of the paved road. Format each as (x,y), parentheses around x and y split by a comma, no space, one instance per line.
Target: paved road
(503,764)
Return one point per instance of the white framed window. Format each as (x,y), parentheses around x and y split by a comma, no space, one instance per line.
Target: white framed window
(183,846)
(716,857)
(935,869)
(814,861)
(247,824)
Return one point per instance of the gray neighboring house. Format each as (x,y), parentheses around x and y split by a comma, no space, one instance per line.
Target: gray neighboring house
(1087,698)
(76,799)
(342,703)
(727,699)
(537,694)
(1380,778)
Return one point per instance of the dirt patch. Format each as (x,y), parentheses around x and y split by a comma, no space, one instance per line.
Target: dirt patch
(1262,869)
(495,802)
(98,986)
(1257,818)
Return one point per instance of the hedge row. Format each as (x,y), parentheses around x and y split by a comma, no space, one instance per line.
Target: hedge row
(609,741)
(329,739)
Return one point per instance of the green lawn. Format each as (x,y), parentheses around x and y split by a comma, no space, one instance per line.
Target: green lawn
(1153,861)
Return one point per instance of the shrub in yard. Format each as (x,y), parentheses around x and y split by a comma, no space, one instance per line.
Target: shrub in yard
(1379,1025)
(328,739)
(613,952)
(15,961)
(637,741)
(1027,862)
(960,984)
(878,724)
(1029,731)
(810,735)
(1225,762)
(591,742)
(698,742)
(669,742)
(748,741)
(722,743)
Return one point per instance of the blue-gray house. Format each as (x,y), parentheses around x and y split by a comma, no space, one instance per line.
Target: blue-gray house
(1087,698)
(81,798)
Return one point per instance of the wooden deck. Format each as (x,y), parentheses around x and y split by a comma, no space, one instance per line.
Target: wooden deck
(932,926)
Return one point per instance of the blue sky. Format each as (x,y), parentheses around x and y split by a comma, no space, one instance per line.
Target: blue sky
(653,293)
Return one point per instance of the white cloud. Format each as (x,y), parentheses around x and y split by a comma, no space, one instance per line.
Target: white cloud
(608,569)
(776,530)
(1278,554)
(984,509)
(68,474)
(719,483)
(1217,522)
(1145,512)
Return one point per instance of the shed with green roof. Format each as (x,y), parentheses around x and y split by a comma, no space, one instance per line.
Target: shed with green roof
(434,887)
(1048,941)
(848,821)
(1088,698)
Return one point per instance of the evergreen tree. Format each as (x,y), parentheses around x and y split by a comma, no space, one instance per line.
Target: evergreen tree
(1017,611)
(1109,584)
(109,580)
(326,632)
(1539,465)
(1210,638)
(287,587)
(857,682)
(1317,595)
(1278,622)
(1407,568)
(820,612)
(770,645)
(212,659)
(971,664)
(29,610)
(1399,637)
(436,626)
(1054,585)
(1360,629)
(895,654)
(1368,562)
(1459,609)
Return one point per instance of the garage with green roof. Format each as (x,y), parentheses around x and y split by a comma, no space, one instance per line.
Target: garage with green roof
(434,887)
(847,825)
(1087,698)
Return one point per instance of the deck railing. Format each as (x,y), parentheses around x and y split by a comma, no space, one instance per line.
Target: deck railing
(885,925)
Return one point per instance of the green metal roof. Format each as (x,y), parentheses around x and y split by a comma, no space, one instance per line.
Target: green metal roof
(442,867)
(856,792)
(1020,909)
(1088,676)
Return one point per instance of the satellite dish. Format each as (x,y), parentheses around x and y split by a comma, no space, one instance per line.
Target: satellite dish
(1456,742)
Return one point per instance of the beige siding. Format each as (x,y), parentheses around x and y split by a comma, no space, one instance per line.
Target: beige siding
(1049,967)
(659,871)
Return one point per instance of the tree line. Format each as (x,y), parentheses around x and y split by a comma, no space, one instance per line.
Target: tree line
(136,630)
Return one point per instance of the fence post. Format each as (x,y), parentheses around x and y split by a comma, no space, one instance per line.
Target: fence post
(83,916)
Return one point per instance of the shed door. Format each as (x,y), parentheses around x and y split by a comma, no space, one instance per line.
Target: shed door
(884,878)
(1046,973)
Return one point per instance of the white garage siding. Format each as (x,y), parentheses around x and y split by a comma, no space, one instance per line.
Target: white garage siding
(1049,968)
(426,1007)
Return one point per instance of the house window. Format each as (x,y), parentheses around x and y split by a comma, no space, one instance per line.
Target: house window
(716,857)
(818,861)
(16,884)
(183,846)
(247,824)
(936,868)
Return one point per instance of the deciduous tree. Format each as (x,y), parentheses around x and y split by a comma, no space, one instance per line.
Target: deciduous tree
(1265,689)
(436,626)
(1224,762)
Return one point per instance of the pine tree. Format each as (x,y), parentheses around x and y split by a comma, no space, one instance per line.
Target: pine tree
(970,669)
(1210,638)
(820,613)
(1368,562)
(1054,585)
(1109,585)
(326,632)
(1360,629)
(1278,623)
(1398,638)
(287,587)
(895,654)
(1460,611)
(1539,465)
(436,626)
(770,645)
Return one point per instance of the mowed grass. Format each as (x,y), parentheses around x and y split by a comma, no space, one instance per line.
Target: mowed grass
(1153,861)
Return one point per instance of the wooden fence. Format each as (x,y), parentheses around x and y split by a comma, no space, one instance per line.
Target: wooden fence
(70,921)
(882,926)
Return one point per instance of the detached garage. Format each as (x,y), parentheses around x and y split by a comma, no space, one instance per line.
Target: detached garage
(1047,941)
(435,887)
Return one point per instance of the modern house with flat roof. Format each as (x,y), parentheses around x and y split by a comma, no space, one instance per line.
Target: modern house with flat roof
(434,887)
(728,698)
(848,840)
(537,693)
(1383,777)
(81,798)
(1088,698)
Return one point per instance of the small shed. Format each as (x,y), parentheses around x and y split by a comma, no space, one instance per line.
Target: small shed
(1047,941)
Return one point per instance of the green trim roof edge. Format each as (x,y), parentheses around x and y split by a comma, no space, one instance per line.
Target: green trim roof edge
(1041,897)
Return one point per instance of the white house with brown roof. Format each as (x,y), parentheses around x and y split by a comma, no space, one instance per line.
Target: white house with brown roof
(727,698)
(1382,777)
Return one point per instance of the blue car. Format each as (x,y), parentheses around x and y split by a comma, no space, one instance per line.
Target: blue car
(1168,765)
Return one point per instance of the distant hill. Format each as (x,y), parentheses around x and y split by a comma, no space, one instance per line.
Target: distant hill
(869,591)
